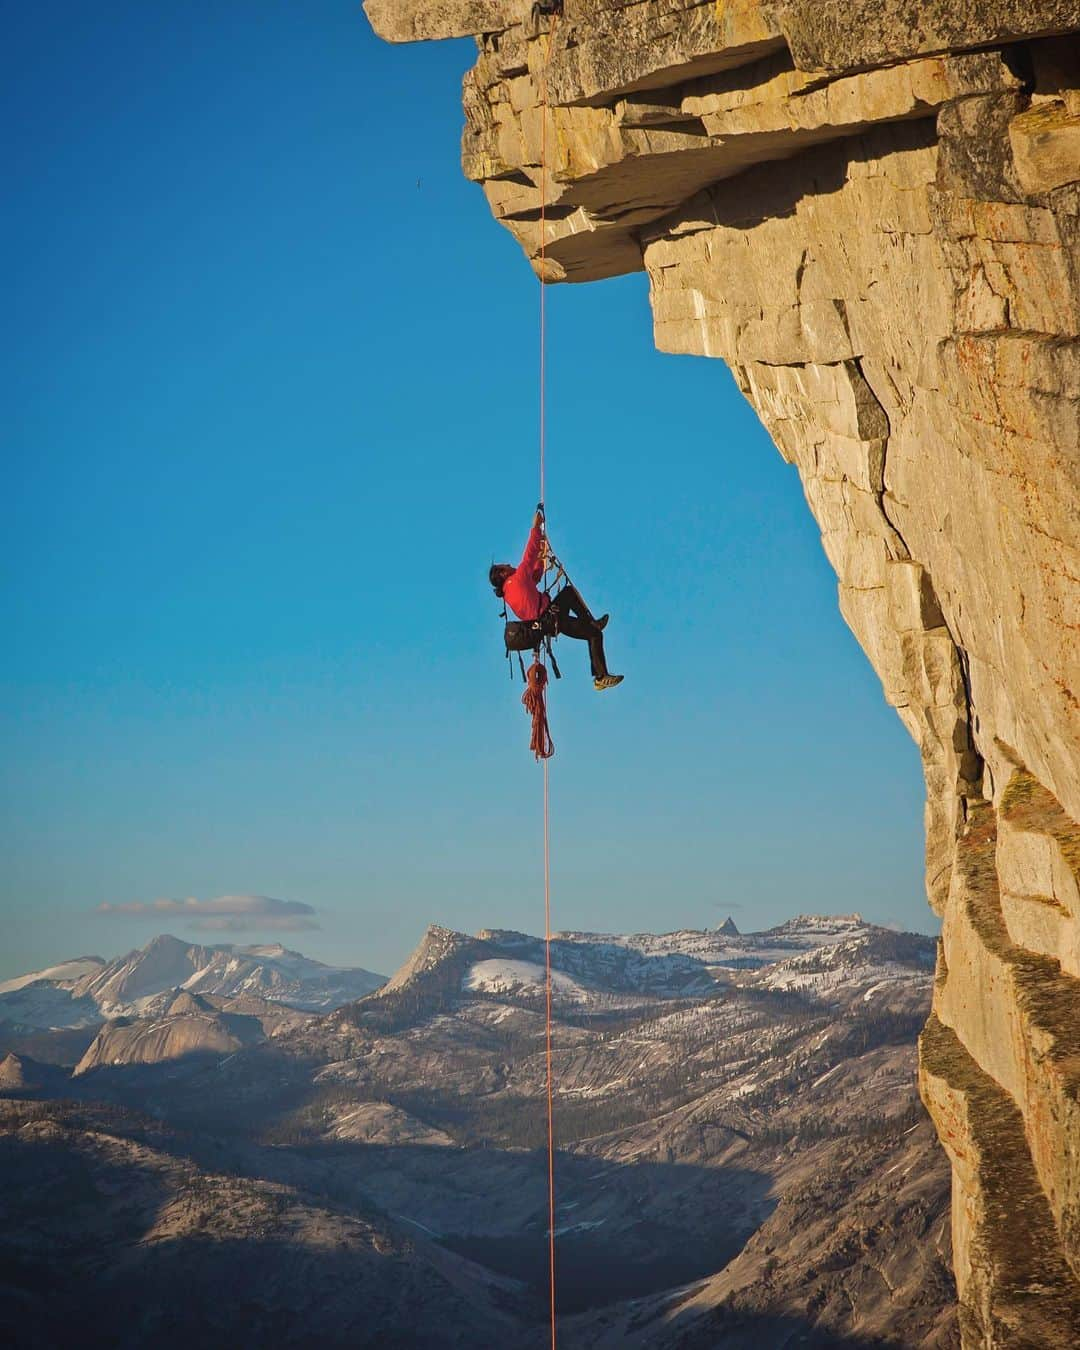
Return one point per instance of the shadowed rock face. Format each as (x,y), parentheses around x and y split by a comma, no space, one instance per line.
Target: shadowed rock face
(871,211)
(189,1025)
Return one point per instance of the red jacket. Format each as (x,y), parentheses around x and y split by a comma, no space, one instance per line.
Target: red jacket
(520,590)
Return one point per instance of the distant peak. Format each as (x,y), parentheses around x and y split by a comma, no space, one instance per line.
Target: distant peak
(728,928)
(436,932)
(436,948)
(165,940)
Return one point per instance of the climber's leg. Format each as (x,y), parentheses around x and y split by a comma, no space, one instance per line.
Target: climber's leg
(588,631)
(569,601)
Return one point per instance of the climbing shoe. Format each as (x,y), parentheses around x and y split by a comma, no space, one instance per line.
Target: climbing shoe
(607,681)
(601,622)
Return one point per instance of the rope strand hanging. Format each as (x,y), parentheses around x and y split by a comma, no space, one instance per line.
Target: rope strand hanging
(543,263)
(547,1052)
(542,745)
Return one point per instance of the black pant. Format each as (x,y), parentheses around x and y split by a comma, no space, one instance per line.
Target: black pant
(576,621)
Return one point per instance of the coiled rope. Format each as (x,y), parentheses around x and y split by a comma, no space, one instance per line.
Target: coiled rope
(542,746)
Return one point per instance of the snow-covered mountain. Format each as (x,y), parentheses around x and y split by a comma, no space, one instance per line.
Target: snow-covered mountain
(610,964)
(88,990)
(828,957)
(67,972)
(726,948)
(864,962)
(47,1006)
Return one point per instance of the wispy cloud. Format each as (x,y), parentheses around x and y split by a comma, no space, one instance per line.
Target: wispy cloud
(225,914)
(235,923)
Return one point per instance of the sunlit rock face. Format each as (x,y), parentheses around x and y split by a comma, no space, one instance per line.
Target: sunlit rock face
(871,211)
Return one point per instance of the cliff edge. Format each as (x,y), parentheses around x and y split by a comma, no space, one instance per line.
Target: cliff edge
(871,211)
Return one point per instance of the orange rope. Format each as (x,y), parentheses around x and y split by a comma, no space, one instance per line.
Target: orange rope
(547,794)
(543,257)
(535,701)
(547,1048)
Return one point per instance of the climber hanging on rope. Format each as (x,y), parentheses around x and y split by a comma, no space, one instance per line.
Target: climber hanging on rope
(564,614)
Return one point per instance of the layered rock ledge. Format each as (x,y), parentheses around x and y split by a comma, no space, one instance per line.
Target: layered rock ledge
(871,211)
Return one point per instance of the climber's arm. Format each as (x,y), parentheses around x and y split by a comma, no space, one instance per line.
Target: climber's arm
(530,559)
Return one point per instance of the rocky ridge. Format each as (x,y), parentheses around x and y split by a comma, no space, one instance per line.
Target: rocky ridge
(871,212)
(186,1025)
(828,955)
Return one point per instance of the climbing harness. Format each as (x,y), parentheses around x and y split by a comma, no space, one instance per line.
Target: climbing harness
(532,635)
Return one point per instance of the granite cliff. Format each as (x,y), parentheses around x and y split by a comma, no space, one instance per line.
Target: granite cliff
(871,211)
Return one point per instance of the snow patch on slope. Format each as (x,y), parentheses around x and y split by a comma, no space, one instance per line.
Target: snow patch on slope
(503,976)
(65,972)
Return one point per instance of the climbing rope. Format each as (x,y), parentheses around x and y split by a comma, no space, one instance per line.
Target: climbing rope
(542,746)
(547,1051)
(541,735)
(543,261)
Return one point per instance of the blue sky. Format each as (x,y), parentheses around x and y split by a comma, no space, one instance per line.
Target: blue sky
(274,412)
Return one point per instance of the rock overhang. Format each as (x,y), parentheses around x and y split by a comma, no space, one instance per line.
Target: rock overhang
(650,102)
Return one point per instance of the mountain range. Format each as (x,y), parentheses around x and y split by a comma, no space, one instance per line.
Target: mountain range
(88,990)
(742,1158)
